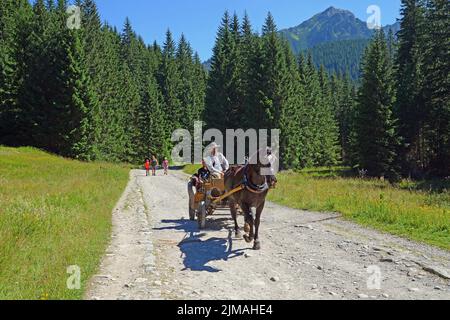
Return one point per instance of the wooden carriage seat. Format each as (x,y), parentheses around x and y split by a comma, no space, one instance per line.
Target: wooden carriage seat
(218,184)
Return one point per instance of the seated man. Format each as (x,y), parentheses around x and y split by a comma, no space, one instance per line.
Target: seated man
(201,176)
(216,162)
(196,181)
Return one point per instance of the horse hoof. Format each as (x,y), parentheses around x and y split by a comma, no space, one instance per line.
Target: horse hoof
(247,228)
(257,246)
(248,239)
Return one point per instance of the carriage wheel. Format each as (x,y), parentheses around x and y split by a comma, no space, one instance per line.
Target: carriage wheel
(201,216)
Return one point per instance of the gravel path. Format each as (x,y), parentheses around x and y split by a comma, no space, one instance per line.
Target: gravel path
(157,253)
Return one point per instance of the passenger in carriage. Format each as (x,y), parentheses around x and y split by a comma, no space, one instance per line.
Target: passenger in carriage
(196,181)
(202,174)
(216,162)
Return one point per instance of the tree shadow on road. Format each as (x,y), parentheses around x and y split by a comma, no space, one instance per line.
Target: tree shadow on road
(198,250)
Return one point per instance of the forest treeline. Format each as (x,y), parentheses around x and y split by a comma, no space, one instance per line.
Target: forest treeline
(402,122)
(96,93)
(394,123)
(342,56)
(92,93)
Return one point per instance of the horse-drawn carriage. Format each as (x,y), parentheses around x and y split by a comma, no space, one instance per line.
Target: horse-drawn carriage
(210,196)
(244,188)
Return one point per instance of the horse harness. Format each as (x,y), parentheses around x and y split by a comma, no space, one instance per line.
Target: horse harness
(250,186)
(246,184)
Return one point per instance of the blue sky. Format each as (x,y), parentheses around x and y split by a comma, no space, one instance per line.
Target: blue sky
(199,19)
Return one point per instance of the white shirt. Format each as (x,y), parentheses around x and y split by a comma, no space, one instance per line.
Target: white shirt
(217,163)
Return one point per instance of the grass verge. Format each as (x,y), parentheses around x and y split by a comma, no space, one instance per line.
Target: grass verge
(415,210)
(191,168)
(54,213)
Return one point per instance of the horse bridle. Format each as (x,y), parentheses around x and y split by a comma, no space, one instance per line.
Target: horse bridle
(250,186)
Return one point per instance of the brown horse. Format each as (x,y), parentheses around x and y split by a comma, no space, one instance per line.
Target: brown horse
(257,178)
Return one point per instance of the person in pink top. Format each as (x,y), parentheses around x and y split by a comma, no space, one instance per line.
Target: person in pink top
(166,166)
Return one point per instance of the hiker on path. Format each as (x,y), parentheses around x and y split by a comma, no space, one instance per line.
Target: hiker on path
(154,165)
(166,166)
(147,167)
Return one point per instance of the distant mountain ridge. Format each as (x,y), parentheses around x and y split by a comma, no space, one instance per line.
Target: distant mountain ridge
(331,25)
(335,38)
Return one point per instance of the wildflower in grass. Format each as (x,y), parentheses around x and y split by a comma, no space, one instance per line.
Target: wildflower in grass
(44,296)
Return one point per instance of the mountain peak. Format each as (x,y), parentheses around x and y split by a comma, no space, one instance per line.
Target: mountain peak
(331,11)
(333,24)
(330,25)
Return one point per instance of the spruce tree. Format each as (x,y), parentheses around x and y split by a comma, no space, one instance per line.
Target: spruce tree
(273,73)
(111,122)
(291,113)
(222,79)
(66,126)
(8,67)
(200,79)
(436,86)
(169,83)
(376,127)
(343,100)
(252,77)
(84,103)
(310,126)
(186,93)
(410,108)
(134,86)
(14,24)
(34,94)
(329,134)
(154,138)
(234,106)
(249,71)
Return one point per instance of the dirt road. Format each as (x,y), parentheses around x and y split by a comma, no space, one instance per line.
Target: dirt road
(157,253)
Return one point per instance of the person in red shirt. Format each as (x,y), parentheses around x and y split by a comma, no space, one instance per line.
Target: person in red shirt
(147,167)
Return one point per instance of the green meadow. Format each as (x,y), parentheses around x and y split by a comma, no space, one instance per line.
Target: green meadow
(54,213)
